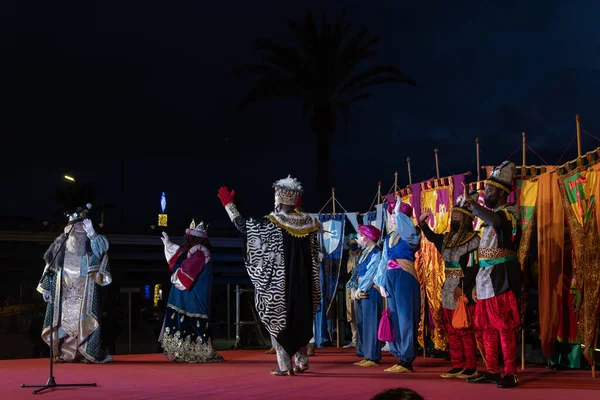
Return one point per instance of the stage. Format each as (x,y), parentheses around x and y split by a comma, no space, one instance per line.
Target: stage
(245,375)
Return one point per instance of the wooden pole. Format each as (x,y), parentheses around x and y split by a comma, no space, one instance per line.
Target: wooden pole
(524,148)
(578,125)
(378,192)
(333,198)
(409,171)
(337,297)
(478,166)
(524,160)
(437,163)
(395,182)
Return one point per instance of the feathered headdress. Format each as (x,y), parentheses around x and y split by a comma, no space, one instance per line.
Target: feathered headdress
(288,191)
(502,176)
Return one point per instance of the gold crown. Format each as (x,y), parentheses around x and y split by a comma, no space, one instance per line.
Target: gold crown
(287,191)
(197,230)
(286,196)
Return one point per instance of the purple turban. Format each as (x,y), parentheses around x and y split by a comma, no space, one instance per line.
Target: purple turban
(406,209)
(370,232)
(391,206)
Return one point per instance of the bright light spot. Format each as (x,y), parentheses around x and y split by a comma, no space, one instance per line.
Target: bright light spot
(69,178)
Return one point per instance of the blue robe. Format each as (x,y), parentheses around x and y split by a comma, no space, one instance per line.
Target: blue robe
(402,287)
(368,310)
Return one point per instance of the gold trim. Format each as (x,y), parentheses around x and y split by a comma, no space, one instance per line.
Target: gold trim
(498,185)
(462,210)
(297,232)
(465,240)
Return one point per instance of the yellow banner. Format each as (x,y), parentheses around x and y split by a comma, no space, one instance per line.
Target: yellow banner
(527,193)
(429,262)
(438,200)
(579,189)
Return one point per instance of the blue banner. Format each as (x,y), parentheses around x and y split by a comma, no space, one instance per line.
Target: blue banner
(332,246)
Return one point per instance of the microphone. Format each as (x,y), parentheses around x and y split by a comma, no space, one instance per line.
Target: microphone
(79,214)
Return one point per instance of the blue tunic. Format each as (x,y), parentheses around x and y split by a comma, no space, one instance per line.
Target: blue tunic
(403,291)
(368,310)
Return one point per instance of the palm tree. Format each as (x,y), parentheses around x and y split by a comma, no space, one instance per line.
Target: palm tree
(75,195)
(323,74)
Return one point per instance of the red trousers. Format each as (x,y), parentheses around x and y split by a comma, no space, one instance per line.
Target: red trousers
(497,318)
(463,347)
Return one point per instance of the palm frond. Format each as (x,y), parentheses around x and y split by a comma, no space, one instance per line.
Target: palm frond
(270,89)
(322,70)
(361,79)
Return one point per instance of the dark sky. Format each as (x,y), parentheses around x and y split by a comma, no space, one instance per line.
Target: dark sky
(90,85)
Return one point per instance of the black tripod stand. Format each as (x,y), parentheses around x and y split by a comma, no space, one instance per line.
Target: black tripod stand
(58,303)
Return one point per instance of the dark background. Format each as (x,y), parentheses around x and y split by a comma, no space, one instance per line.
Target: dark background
(137,95)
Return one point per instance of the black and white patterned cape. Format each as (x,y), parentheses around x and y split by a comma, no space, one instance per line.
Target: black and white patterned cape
(265,266)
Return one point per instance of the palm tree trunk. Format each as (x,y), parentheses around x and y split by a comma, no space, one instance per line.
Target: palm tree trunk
(323,179)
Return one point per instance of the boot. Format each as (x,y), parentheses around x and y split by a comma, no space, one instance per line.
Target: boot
(311,349)
(270,351)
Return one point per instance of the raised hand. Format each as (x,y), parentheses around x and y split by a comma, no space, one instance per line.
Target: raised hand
(424,215)
(165,238)
(88,227)
(398,204)
(225,195)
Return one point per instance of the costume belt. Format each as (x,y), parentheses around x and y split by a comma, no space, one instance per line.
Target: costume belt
(408,266)
(490,262)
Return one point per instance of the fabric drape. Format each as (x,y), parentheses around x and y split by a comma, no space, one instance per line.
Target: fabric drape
(551,235)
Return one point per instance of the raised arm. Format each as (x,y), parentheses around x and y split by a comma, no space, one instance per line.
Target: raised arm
(226,198)
(407,230)
(490,217)
(99,243)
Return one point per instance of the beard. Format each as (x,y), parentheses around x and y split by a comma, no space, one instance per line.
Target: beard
(490,202)
(454,226)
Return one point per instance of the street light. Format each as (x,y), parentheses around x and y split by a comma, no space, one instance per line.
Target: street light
(69,178)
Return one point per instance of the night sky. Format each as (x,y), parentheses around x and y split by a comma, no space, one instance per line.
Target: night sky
(90,86)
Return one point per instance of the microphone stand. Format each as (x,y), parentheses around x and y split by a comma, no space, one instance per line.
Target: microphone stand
(57,303)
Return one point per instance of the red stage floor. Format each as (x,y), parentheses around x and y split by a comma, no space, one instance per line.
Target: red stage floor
(245,375)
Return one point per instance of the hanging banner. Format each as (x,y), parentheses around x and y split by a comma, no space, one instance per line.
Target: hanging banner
(369,218)
(550,244)
(353,218)
(438,196)
(579,200)
(526,195)
(332,245)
